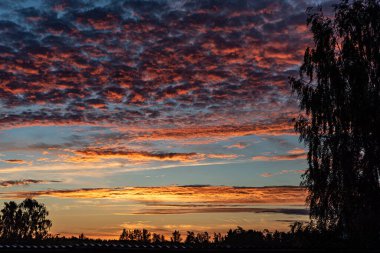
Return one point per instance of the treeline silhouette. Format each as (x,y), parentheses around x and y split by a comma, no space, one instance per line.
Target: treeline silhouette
(300,235)
(28,221)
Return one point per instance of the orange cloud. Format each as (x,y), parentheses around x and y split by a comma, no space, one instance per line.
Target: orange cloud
(181,194)
(15,161)
(101,154)
(279,157)
(220,131)
(239,145)
(296,151)
(222,156)
(267,174)
(294,154)
(224,209)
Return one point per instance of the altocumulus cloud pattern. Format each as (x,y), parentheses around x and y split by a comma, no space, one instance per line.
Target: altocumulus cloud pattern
(145,63)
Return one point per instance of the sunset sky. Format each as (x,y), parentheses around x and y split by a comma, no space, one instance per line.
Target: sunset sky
(153,114)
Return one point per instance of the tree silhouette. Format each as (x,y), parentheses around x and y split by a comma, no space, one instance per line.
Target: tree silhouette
(339,92)
(203,238)
(136,235)
(218,238)
(123,235)
(146,236)
(27,220)
(157,238)
(140,236)
(241,236)
(176,237)
(190,237)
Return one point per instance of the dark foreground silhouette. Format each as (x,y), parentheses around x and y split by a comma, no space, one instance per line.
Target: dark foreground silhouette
(117,247)
(25,226)
(339,97)
(300,237)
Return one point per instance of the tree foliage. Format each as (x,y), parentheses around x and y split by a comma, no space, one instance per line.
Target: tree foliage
(27,220)
(176,237)
(199,238)
(138,235)
(304,235)
(339,94)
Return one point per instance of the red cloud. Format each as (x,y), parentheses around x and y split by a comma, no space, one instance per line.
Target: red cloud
(212,66)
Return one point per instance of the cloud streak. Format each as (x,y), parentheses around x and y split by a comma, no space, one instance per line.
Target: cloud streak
(294,154)
(289,157)
(289,211)
(101,154)
(282,172)
(15,161)
(180,194)
(25,182)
